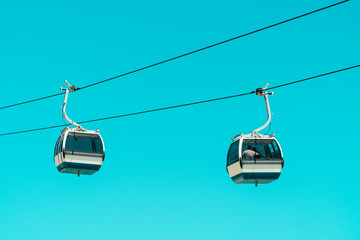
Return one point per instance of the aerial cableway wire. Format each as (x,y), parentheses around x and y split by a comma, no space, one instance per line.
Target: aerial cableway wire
(309,78)
(182,55)
(183,105)
(33,100)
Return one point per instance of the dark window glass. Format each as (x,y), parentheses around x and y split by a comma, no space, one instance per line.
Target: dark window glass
(98,145)
(83,142)
(277,150)
(276,146)
(272,151)
(57,147)
(233,154)
(60,144)
(264,148)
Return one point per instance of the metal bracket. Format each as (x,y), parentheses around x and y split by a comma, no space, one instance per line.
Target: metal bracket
(72,88)
(237,137)
(260,91)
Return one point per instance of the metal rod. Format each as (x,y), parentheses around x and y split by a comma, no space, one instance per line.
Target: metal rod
(64,107)
(268,114)
(260,92)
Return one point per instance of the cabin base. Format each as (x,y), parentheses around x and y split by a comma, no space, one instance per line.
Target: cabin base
(78,168)
(255,178)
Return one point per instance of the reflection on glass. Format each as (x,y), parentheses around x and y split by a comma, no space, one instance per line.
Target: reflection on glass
(84,143)
(260,149)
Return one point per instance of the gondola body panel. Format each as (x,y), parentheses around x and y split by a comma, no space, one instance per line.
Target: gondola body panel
(254,173)
(80,165)
(79,153)
(255,170)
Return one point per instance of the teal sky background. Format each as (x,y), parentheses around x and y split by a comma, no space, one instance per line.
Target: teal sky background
(164,175)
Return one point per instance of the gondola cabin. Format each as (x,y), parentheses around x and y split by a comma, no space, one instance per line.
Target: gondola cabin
(79,152)
(255,159)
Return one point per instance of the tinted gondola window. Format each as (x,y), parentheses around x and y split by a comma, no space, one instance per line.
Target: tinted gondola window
(233,154)
(277,150)
(61,143)
(272,151)
(58,145)
(79,142)
(255,146)
(267,148)
(56,151)
(98,145)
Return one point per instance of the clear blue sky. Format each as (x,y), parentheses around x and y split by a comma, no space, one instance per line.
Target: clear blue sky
(164,175)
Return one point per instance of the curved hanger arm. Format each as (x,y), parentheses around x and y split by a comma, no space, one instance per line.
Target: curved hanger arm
(67,90)
(260,92)
(268,114)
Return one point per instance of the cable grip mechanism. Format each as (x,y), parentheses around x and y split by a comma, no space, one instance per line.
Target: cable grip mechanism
(72,88)
(260,91)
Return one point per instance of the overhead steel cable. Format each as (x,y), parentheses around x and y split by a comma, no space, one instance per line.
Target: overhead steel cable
(185,54)
(317,76)
(216,44)
(34,100)
(129,114)
(182,105)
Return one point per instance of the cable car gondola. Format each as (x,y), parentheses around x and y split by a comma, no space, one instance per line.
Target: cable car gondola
(255,158)
(77,150)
